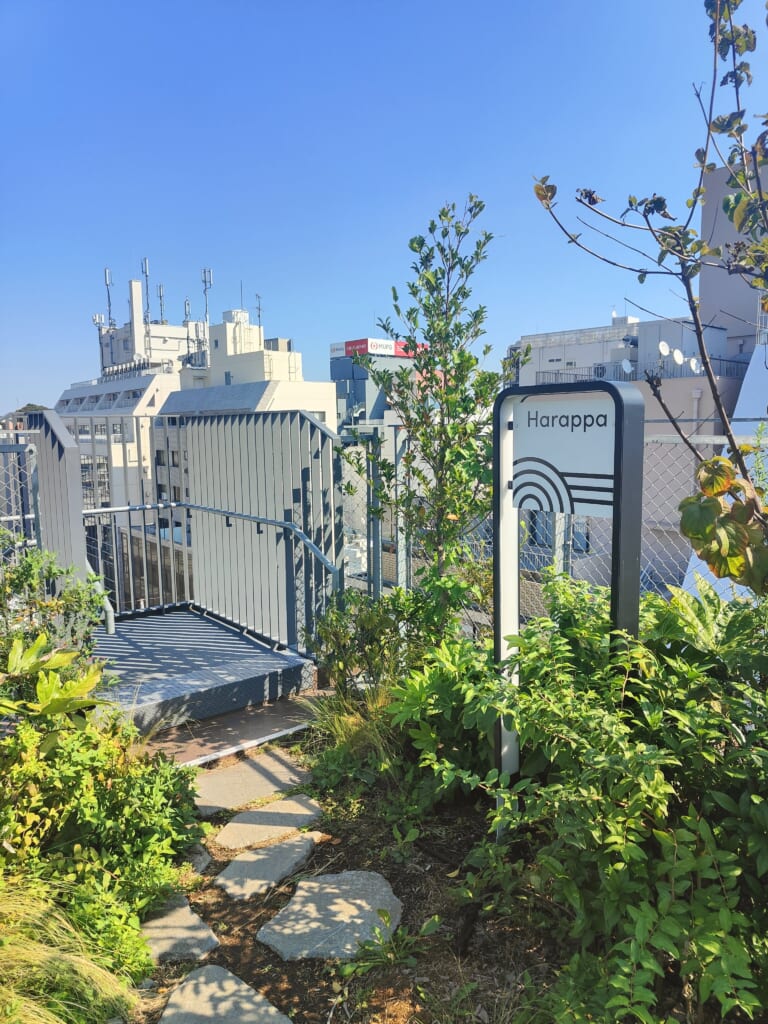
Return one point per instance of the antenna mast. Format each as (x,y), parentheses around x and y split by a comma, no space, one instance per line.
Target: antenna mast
(161,297)
(145,272)
(147,330)
(207,278)
(108,283)
(258,309)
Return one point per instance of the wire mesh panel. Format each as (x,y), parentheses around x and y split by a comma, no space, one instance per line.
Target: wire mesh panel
(18,467)
(581,546)
(359,521)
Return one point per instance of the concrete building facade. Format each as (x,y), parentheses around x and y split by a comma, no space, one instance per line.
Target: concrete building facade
(144,362)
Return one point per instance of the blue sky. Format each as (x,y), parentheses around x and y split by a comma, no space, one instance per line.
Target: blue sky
(296,147)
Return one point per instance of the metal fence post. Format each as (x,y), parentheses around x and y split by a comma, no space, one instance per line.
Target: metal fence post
(375,517)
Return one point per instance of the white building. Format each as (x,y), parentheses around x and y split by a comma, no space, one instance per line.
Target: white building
(144,362)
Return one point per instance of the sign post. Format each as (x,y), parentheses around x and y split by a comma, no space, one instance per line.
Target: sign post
(575,449)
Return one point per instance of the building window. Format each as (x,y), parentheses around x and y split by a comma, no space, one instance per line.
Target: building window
(541,527)
(86,476)
(102,480)
(100,430)
(175,494)
(160,457)
(581,535)
(174,458)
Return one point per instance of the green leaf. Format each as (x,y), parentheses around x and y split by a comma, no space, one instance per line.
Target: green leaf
(699,516)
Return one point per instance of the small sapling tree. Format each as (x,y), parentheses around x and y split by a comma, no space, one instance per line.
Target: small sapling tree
(443,398)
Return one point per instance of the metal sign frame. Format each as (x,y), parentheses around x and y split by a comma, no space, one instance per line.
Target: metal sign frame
(621,492)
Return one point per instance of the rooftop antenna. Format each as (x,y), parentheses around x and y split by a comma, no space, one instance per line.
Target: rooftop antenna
(98,323)
(145,272)
(187,318)
(258,309)
(161,297)
(108,283)
(207,278)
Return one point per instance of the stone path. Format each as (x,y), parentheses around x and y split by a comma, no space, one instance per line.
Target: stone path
(328,915)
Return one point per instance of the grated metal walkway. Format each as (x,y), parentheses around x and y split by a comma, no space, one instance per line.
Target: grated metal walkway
(170,668)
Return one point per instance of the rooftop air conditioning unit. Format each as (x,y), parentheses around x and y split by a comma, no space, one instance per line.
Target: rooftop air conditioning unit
(599,370)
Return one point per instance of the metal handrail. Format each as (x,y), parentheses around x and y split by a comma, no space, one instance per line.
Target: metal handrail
(282,524)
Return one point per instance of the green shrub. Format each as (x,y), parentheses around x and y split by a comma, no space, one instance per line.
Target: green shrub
(448,709)
(365,648)
(374,641)
(643,781)
(37,596)
(103,822)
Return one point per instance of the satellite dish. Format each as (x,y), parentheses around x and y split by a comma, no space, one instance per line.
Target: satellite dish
(626,366)
(678,356)
(694,364)
(664,349)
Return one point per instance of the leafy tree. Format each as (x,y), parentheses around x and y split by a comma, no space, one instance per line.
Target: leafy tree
(443,398)
(727,521)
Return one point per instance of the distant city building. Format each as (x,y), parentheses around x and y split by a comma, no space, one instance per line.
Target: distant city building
(144,362)
(359,400)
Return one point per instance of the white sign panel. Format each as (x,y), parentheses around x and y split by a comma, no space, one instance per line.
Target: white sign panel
(559,453)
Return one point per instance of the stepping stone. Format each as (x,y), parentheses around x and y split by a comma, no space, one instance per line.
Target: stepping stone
(249,779)
(258,870)
(330,915)
(177,933)
(277,820)
(198,858)
(213,993)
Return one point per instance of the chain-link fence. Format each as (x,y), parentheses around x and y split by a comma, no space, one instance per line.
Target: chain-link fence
(376,555)
(578,545)
(18,492)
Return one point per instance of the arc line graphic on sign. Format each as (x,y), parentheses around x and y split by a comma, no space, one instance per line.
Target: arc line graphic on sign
(532,477)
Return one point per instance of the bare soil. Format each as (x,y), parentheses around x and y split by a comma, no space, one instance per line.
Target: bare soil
(470,969)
